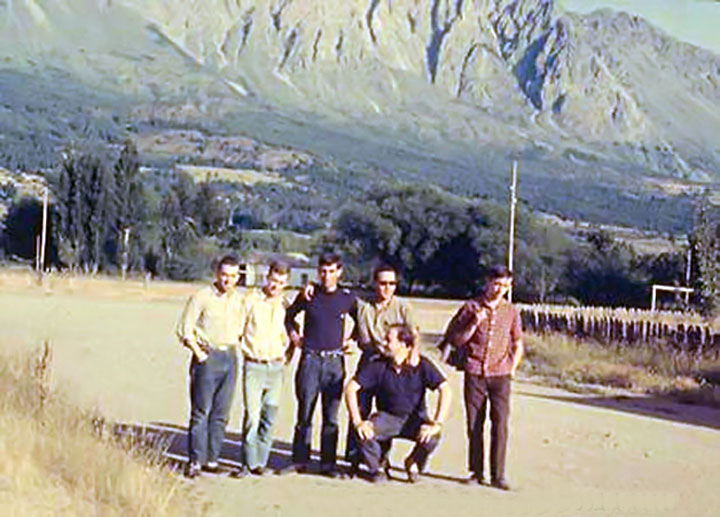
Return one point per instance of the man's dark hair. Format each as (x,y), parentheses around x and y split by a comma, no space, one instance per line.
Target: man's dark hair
(227,260)
(278,267)
(330,258)
(404,334)
(384,268)
(496,272)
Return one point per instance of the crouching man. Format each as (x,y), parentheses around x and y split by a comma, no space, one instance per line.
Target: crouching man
(399,389)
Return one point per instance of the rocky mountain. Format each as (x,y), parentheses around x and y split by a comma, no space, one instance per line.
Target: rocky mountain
(448,91)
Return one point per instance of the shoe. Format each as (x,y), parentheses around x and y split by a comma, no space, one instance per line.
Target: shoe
(352,471)
(258,471)
(330,472)
(239,472)
(377,477)
(412,475)
(293,468)
(212,468)
(500,484)
(192,470)
(475,479)
(386,467)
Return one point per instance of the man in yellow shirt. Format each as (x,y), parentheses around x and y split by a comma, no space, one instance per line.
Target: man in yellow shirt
(264,346)
(210,328)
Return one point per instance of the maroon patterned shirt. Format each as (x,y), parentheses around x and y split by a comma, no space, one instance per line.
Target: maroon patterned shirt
(489,336)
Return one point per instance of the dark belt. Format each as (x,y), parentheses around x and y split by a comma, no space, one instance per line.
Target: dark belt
(324,353)
(263,361)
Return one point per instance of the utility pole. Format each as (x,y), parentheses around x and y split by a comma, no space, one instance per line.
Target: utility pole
(43,238)
(126,241)
(511,229)
(688,269)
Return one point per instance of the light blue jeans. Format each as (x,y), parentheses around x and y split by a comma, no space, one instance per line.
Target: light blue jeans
(262,387)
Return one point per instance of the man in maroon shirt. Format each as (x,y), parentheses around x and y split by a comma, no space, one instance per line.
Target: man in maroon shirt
(486,335)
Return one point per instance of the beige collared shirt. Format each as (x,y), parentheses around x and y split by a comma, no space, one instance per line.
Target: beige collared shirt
(263,326)
(212,318)
(375,319)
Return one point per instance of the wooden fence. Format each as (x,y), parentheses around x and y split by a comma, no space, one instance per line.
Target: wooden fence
(686,330)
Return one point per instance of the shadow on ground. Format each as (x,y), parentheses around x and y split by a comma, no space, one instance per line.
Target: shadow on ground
(171,439)
(651,406)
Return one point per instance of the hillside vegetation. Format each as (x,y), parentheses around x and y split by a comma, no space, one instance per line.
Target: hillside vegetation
(425,90)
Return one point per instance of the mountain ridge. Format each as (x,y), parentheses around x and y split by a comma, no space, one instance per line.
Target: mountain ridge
(604,97)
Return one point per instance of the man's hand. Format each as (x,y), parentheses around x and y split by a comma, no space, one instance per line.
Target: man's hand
(348,346)
(308,291)
(201,355)
(427,431)
(296,339)
(365,430)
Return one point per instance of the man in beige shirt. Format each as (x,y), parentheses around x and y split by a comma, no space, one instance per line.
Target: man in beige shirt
(210,328)
(264,346)
(376,316)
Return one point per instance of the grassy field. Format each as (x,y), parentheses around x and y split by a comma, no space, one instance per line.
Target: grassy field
(56,459)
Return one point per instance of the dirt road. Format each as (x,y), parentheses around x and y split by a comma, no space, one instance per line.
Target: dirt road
(570,455)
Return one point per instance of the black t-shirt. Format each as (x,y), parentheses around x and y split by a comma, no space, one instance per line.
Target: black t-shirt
(402,392)
(324,317)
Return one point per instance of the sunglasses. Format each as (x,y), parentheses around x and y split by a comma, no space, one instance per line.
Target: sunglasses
(387,283)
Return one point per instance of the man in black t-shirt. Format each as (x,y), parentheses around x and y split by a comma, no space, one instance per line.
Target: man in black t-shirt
(321,372)
(399,389)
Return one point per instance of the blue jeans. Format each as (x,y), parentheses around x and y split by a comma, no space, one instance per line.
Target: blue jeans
(389,426)
(324,377)
(262,386)
(212,385)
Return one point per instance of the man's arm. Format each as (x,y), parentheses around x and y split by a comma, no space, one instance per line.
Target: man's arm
(291,326)
(186,330)
(427,431)
(364,427)
(517,355)
(409,321)
(516,346)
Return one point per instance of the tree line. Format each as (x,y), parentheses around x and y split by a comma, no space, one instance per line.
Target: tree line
(110,215)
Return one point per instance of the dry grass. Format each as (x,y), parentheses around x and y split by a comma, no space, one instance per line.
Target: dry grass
(55,462)
(652,369)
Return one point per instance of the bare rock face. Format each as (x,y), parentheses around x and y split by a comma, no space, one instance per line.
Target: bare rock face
(609,80)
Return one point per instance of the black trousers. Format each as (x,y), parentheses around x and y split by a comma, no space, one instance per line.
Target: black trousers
(365,402)
(480,390)
(389,426)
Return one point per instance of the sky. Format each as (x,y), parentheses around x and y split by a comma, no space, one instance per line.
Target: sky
(694,21)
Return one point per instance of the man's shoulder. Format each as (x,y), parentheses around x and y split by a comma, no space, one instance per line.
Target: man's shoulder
(205,291)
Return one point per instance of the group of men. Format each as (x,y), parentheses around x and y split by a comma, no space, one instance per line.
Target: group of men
(385,398)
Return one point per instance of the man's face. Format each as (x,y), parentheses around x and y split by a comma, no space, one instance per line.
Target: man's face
(329,275)
(275,284)
(226,277)
(385,285)
(498,288)
(395,348)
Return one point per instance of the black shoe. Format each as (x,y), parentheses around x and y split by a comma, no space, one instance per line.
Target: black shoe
(377,477)
(258,471)
(500,484)
(386,467)
(475,479)
(352,471)
(330,472)
(239,472)
(192,470)
(412,475)
(293,468)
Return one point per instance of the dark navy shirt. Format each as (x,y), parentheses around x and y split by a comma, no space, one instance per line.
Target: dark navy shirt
(402,392)
(324,317)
